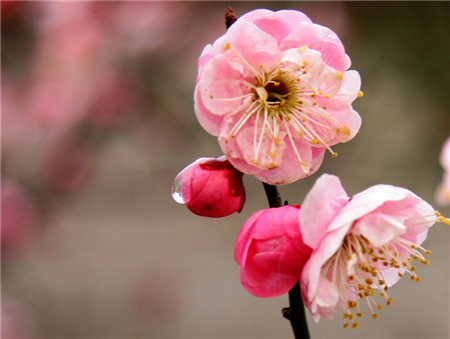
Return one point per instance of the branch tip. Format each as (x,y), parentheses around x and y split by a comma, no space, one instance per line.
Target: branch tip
(230,17)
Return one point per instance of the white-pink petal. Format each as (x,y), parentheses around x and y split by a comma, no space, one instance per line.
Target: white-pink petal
(325,199)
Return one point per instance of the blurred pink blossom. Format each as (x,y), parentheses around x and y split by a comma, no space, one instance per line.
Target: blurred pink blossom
(276,91)
(70,34)
(144,27)
(210,187)
(443,191)
(15,121)
(113,94)
(19,216)
(271,252)
(66,167)
(361,246)
(17,322)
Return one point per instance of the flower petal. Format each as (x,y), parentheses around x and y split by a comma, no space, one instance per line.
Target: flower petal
(325,199)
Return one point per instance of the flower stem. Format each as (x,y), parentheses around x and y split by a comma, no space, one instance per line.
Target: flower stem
(273,196)
(295,313)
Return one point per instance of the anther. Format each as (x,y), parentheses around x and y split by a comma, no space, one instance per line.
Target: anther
(351,304)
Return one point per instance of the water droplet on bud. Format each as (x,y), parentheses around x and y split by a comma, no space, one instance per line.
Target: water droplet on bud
(176,190)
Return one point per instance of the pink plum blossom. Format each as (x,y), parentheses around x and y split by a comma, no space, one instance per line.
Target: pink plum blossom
(66,167)
(18,322)
(110,105)
(271,252)
(443,190)
(361,246)
(276,90)
(19,218)
(210,187)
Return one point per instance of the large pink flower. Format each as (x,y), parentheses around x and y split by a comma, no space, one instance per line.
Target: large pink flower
(276,91)
(271,252)
(443,190)
(361,246)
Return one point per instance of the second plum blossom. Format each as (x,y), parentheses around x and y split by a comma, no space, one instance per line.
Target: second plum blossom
(361,246)
(277,91)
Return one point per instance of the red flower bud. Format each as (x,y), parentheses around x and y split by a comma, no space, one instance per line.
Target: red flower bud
(271,251)
(210,187)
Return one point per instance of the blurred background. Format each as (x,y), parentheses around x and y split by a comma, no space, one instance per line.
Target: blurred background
(97,119)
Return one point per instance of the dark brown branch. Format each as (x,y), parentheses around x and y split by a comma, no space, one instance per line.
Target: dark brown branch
(295,313)
(273,196)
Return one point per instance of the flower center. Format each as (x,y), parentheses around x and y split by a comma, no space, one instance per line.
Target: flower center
(356,270)
(273,92)
(277,93)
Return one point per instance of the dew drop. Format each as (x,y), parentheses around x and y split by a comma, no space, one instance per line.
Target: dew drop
(176,190)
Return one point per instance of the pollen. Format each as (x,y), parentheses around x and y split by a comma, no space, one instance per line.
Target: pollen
(339,75)
(360,94)
(343,130)
(442,219)
(256,162)
(226,46)
(351,304)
